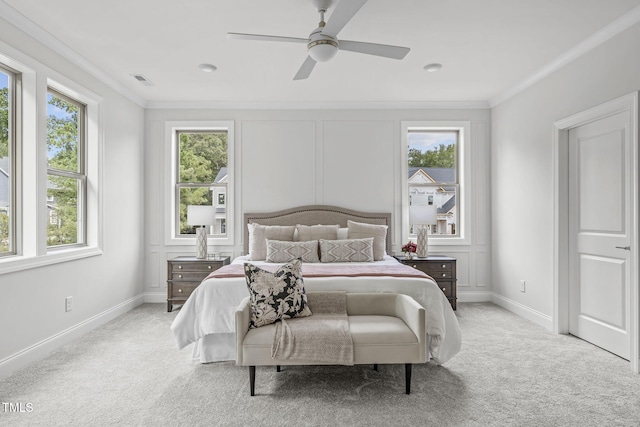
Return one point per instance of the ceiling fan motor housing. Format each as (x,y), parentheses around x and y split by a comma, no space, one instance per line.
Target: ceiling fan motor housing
(322,47)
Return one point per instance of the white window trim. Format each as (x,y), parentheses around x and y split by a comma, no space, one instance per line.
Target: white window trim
(170,152)
(464,172)
(31,160)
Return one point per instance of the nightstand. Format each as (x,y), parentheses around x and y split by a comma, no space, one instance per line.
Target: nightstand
(184,274)
(441,268)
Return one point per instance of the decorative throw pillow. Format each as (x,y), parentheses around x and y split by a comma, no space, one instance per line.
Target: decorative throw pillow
(276,296)
(305,233)
(279,251)
(351,250)
(359,230)
(258,235)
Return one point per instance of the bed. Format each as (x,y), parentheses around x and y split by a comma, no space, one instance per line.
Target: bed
(207,321)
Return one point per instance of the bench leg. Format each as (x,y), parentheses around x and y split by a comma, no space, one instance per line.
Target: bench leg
(252,380)
(277,368)
(407,377)
(375,366)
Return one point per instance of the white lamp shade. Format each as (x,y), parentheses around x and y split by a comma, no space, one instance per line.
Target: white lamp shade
(423,214)
(201,215)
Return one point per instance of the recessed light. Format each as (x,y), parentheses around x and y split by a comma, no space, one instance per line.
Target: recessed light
(207,68)
(432,67)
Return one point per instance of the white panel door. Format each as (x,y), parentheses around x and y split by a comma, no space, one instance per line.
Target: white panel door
(600,223)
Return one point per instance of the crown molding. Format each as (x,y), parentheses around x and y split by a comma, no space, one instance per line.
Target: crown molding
(328,105)
(609,31)
(45,38)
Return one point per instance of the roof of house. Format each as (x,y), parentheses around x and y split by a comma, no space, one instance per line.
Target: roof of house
(437,174)
(448,205)
(222,173)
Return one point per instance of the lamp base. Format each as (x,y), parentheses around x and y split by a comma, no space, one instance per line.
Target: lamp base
(423,242)
(201,242)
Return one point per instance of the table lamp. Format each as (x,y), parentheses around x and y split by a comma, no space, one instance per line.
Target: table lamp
(201,217)
(422,215)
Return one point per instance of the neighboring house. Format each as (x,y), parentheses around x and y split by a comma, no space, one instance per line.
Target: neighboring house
(444,197)
(219,190)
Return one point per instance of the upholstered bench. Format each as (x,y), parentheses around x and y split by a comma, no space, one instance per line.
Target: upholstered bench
(385,328)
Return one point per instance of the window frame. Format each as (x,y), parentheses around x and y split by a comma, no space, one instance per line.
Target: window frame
(172,129)
(14,93)
(463,172)
(80,175)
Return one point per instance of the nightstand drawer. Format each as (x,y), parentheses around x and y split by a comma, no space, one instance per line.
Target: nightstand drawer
(182,290)
(178,267)
(441,275)
(189,276)
(446,288)
(439,267)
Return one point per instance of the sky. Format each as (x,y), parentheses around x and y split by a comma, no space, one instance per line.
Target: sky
(428,141)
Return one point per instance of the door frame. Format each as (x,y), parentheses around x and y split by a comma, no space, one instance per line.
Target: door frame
(561,216)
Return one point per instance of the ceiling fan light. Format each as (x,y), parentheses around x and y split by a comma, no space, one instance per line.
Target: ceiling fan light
(322,50)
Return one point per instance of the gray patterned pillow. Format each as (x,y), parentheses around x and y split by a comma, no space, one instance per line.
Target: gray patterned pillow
(304,233)
(350,250)
(279,251)
(276,296)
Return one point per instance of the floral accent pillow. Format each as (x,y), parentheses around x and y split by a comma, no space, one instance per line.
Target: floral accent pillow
(276,296)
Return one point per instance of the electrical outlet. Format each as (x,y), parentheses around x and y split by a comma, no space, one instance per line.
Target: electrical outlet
(68,304)
(522,286)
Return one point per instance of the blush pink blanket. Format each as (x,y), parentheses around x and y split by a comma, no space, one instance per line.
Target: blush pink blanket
(328,270)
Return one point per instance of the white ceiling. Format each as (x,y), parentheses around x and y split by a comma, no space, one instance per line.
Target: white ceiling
(487,47)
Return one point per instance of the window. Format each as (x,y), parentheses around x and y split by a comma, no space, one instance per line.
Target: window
(66,170)
(8,113)
(202,178)
(434,177)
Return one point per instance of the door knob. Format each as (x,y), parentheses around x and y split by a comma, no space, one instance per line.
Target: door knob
(626,248)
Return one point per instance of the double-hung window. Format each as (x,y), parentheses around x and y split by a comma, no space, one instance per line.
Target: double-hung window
(434,177)
(9,81)
(66,170)
(201,164)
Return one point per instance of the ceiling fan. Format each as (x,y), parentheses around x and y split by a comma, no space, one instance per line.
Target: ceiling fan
(323,43)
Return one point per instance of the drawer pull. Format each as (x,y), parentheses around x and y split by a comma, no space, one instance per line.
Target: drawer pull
(444,289)
(180,291)
(444,265)
(179,276)
(415,266)
(179,267)
(209,267)
(444,274)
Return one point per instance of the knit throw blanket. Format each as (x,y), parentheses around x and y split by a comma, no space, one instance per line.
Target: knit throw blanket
(322,338)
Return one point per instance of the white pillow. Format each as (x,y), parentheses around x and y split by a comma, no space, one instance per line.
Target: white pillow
(305,233)
(350,250)
(343,233)
(258,235)
(279,251)
(360,230)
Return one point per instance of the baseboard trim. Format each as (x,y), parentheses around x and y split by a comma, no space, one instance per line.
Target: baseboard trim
(41,349)
(521,310)
(155,297)
(475,296)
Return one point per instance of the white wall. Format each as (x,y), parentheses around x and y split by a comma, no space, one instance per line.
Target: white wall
(33,314)
(348,158)
(521,180)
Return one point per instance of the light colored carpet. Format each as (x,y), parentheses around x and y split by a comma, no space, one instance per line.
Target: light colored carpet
(509,372)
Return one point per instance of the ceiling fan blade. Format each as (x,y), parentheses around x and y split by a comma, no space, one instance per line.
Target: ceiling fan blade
(261,37)
(388,51)
(344,11)
(305,69)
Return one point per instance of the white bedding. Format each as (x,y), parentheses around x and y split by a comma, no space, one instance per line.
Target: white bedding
(207,319)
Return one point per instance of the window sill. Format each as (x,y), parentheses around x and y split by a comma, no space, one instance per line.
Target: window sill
(18,263)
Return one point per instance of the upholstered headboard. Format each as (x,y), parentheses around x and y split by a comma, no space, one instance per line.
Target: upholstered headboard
(314,215)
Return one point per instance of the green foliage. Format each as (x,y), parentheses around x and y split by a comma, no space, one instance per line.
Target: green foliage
(62,143)
(202,155)
(443,157)
(4,232)
(4,122)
